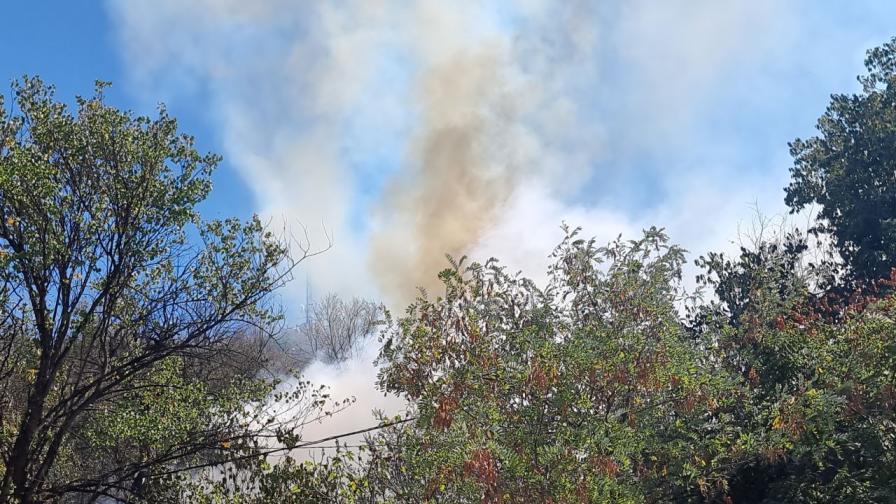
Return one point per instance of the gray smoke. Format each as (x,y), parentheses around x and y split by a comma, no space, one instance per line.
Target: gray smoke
(406,130)
(484,95)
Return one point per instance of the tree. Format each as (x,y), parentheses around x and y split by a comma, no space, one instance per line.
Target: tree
(849,170)
(802,357)
(588,391)
(111,291)
(594,391)
(763,278)
(336,328)
(819,400)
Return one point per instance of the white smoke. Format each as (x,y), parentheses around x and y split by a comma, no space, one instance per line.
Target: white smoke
(405,128)
(411,129)
(354,379)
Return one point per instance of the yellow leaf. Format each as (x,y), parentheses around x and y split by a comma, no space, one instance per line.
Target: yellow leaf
(777,423)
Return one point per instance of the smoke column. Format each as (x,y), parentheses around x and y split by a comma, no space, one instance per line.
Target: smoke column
(405,130)
(435,111)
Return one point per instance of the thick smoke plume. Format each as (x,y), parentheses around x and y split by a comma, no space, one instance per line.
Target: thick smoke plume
(487,104)
(468,99)
(405,130)
(452,186)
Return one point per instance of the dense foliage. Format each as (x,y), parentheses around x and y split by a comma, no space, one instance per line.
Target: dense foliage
(595,389)
(116,330)
(849,170)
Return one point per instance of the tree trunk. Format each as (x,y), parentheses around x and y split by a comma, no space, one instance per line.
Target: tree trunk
(20,456)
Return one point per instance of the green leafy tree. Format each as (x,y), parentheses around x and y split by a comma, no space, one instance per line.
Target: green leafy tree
(588,391)
(818,411)
(764,278)
(801,358)
(849,170)
(108,310)
(595,389)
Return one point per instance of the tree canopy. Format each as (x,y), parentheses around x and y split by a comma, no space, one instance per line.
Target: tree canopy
(109,312)
(596,389)
(849,171)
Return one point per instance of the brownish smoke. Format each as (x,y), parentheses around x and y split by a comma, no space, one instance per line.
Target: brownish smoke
(457,174)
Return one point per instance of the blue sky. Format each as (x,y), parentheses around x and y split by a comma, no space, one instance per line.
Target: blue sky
(73,44)
(613,116)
